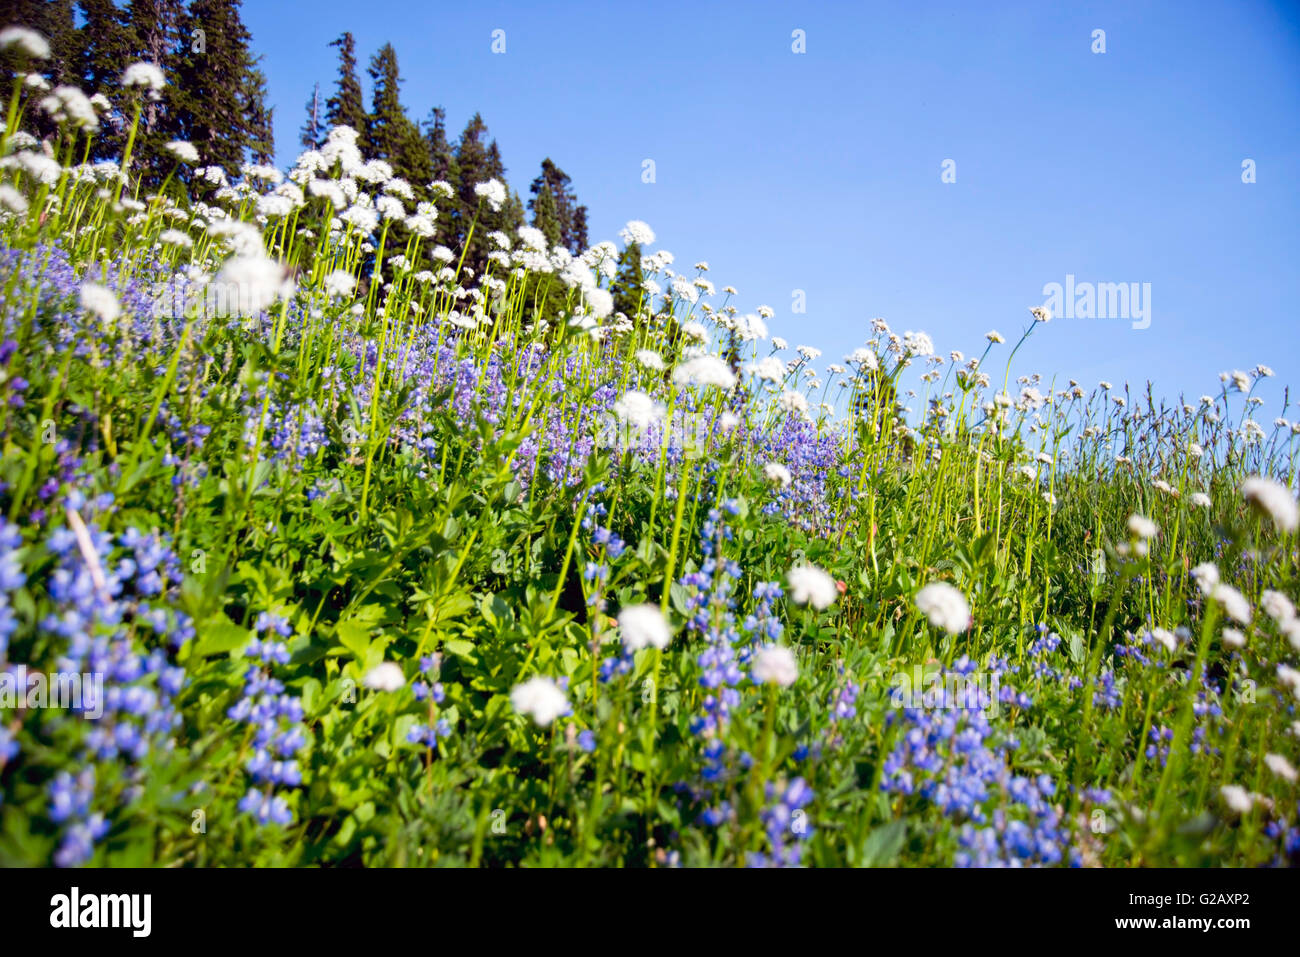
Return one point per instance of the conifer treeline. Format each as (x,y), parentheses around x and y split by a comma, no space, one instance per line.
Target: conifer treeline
(422,153)
(216,99)
(215,96)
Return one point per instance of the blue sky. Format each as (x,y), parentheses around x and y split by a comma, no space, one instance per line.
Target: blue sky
(821,171)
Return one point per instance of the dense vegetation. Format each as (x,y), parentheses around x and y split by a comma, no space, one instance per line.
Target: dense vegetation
(382,558)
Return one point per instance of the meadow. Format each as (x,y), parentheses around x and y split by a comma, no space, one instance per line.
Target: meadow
(358,559)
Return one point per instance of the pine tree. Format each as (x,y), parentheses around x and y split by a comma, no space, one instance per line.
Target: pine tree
(471,169)
(579,237)
(628,294)
(54,21)
(216,85)
(313,129)
(390,133)
(155,26)
(546,215)
(61,29)
(154,34)
(346,107)
(477,162)
(261,130)
(383,130)
(105,45)
(572,218)
(511,216)
(440,152)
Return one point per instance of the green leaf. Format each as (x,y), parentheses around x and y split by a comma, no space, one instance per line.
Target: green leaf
(461,649)
(883,844)
(219,634)
(1076,649)
(354,636)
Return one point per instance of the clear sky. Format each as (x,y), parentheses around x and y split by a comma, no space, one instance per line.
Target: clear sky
(822,171)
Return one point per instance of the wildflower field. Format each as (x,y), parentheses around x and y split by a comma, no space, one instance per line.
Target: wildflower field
(319,549)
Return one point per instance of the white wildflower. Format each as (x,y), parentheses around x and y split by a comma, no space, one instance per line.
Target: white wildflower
(540,699)
(145,75)
(705,371)
(28,41)
(809,585)
(1274,500)
(944,606)
(339,284)
(1141,527)
(1234,603)
(637,232)
(99,301)
(1237,798)
(775,664)
(777,473)
(386,676)
(1280,766)
(638,410)
(493,191)
(643,626)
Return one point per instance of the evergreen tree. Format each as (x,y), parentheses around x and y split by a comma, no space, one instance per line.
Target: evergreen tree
(346,107)
(261,131)
(60,28)
(511,216)
(471,169)
(55,22)
(216,86)
(628,294)
(477,162)
(382,134)
(105,45)
(572,218)
(154,34)
(313,129)
(390,133)
(546,215)
(579,236)
(155,26)
(440,151)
